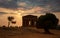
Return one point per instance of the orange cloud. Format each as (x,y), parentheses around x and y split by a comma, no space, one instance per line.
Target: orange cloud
(33,10)
(6,10)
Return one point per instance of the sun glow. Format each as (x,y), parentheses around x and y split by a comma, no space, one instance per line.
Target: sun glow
(20,11)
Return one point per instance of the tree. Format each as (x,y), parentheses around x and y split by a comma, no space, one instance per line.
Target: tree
(10,19)
(53,20)
(13,22)
(47,21)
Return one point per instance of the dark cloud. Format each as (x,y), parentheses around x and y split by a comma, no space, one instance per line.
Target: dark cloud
(1,13)
(54,4)
(13,13)
(12,4)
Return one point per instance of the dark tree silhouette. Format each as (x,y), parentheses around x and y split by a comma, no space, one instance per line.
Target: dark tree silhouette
(47,21)
(10,19)
(14,22)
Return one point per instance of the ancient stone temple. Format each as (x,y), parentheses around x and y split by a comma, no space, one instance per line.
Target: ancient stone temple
(29,20)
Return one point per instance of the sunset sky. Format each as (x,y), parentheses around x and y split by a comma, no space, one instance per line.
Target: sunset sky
(19,8)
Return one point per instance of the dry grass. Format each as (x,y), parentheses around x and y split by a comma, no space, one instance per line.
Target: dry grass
(28,33)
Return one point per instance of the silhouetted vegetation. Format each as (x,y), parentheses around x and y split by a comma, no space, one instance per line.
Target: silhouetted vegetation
(47,21)
(10,19)
(3,27)
(14,22)
(58,27)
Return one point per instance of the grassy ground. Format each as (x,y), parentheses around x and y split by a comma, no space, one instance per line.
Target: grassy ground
(28,33)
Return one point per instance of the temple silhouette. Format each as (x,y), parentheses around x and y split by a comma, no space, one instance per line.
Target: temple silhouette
(29,21)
